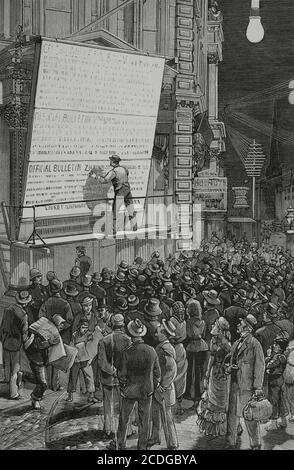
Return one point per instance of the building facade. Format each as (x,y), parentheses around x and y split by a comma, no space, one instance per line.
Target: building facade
(188,34)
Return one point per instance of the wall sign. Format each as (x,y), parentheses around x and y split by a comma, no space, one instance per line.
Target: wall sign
(211,193)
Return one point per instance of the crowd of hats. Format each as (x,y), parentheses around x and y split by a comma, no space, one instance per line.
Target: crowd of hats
(218,264)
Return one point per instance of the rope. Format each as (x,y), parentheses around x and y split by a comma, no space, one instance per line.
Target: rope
(267,93)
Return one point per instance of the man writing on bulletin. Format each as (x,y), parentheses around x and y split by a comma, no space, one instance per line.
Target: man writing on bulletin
(119,177)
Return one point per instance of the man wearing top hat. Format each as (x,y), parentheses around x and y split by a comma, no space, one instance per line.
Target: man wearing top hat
(14,334)
(119,177)
(165,395)
(139,375)
(38,292)
(247,368)
(110,350)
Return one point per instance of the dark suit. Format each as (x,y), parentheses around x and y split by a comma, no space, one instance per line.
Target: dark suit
(99,293)
(247,354)
(166,398)
(84,263)
(39,294)
(13,333)
(110,350)
(139,375)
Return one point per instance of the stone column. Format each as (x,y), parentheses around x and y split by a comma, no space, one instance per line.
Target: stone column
(185,101)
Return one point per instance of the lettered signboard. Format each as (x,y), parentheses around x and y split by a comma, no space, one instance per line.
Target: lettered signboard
(90,103)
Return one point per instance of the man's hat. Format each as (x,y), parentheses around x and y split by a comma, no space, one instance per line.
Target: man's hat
(87,280)
(133,274)
(154,268)
(56,286)
(120,277)
(87,301)
(58,320)
(120,291)
(35,273)
(133,301)
(190,291)
(138,260)
(105,270)
(164,277)
(121,303)
(118,320)
(96,277)
(50,276)
(141,279)
(211,297)
(136,328)
(251,321)
(71,290)
(123,266)
(152,308)
(155,254)
(75,271)
(169,287)
(186,280)
(115,158)
(169,327)
(81,249)
(23,297)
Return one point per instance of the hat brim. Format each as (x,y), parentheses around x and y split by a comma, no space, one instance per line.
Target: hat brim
(87,303)
(24,301)
(135,334)
(165,325)
(211,301)
(249,324)
(71,294)
(134,304)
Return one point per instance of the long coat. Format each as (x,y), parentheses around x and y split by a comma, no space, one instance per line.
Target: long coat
(168,366)
(14,328)
(251,368)
(139,371)
(110,350)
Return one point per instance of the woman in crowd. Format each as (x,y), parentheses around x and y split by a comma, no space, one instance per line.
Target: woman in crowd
(212,412)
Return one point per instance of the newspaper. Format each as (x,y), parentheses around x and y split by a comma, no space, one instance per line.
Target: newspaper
(48,331)
(66,362)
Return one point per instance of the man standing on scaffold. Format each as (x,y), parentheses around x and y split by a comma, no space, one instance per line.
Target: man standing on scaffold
(119,177)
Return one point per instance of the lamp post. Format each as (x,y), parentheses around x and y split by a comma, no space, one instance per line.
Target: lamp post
(255,31)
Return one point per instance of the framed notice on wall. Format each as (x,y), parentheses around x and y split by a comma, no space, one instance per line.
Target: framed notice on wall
(90,102)
(211,193)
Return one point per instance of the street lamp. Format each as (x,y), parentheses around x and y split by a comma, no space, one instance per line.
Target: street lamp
(255,31)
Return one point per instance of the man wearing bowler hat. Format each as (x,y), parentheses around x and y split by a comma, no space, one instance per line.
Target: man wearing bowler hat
(119,176)
(152,319)
(247,367)
(139,375)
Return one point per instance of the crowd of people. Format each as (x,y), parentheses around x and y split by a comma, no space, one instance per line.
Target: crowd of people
(214,326)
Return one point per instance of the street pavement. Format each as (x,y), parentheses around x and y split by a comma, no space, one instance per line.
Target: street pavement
(70,426)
